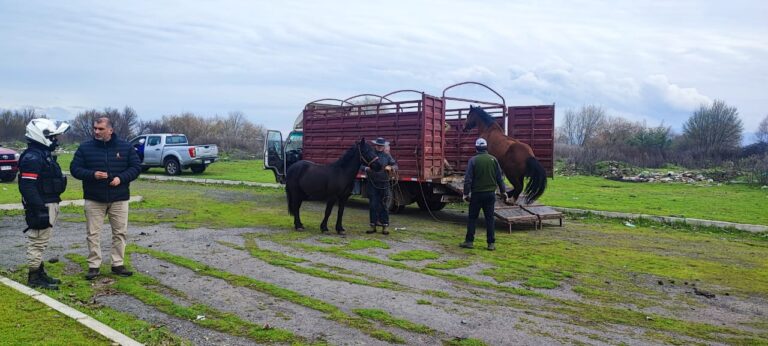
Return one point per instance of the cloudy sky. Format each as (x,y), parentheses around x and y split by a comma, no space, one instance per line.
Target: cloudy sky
(642,60)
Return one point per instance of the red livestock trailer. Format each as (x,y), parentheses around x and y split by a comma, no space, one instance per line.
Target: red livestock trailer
(425,136)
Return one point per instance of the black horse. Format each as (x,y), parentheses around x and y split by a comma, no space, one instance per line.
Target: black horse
(332,183)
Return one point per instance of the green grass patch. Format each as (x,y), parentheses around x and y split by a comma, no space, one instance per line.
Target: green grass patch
(464,342)
(414,255)
(141,287)
(389,320)
(78,293)
(25,321)
(537,282)
(282,260)
(332,312)
(726,202)
(449,264)
(423,302)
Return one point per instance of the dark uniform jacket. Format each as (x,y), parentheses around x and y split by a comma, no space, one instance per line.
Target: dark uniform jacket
(40,177)
(116,157)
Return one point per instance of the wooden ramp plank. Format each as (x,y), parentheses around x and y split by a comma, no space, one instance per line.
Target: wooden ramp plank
(534,213)
(514,215)
(545,213)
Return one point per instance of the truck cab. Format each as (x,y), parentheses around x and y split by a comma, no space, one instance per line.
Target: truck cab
(279,154)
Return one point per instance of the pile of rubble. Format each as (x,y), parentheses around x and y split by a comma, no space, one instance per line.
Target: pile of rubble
(669,177)
(657,177)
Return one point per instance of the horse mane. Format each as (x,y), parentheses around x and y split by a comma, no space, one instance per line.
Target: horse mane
(483,115)
(348,155)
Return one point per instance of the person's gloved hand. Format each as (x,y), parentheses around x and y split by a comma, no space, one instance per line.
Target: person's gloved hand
(465,198)
(37,217)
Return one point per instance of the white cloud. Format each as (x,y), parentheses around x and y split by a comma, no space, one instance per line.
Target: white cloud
(648,60)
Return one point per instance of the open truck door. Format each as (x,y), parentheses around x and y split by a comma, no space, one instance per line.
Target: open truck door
(274,156)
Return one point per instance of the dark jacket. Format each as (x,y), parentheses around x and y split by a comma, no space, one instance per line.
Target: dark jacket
(382,175)
(483,174)
(116,157)
(40,177)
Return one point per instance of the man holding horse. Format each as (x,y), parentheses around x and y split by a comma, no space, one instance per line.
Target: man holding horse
(378,173)
(480,181)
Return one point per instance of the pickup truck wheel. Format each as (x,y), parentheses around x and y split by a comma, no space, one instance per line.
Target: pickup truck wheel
(172,167)
(8,177)
(197,169)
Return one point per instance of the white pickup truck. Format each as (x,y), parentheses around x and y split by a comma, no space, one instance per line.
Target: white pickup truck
(172,152)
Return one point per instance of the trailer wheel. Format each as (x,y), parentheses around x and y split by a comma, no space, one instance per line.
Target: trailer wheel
(431,205)
(172,167)
(393,203)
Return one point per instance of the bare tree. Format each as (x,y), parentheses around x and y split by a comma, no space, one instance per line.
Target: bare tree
(124,123)
(13,123)
(714,131)
(82,125)
(580,127)
(762,131)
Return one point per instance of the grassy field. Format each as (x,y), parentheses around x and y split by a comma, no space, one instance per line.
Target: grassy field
(244,170)
(728,202)
(25,321)
(607,265)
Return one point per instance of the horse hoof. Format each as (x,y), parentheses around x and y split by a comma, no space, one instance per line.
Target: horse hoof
(342,234)
(324,231)
(300,229)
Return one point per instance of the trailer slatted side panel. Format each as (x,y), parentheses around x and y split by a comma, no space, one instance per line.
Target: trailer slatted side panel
(460,145)
(535,126)
(413,128)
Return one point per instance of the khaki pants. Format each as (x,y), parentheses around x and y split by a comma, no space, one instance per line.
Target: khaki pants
(37,239)
(118,219)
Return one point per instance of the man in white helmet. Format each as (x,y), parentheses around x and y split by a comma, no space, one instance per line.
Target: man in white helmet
(41,184)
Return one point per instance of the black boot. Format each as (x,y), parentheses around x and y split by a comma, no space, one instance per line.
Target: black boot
(44,275)
(35,280)
(384,229)
(372,230)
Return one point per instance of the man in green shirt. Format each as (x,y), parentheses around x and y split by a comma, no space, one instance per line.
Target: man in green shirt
(480,181)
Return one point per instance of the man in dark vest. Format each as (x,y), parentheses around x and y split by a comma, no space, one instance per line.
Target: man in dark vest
(480,181)
(378,175)
(41,184)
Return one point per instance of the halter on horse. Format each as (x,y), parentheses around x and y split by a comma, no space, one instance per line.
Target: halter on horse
(332,183)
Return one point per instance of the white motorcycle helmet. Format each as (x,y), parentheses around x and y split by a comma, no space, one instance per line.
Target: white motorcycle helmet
(43,130)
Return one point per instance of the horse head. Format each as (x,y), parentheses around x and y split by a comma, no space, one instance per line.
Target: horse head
(368,155)
(474,117)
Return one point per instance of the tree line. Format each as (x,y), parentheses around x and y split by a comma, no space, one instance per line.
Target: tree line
(235,135)
(711,136)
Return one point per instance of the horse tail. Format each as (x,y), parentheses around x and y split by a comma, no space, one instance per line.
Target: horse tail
(537,179)
(288,197)
(292,189)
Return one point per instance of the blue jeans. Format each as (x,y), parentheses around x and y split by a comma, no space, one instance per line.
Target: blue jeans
(376,200)
(485,201)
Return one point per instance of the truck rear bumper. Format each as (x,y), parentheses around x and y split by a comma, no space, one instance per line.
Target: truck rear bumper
(202,161)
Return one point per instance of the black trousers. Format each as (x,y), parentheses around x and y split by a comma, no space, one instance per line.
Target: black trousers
(485,201)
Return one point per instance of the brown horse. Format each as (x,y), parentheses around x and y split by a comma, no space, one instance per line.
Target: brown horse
(516,158)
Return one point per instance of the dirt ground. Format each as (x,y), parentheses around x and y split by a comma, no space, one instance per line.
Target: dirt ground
(461,311)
